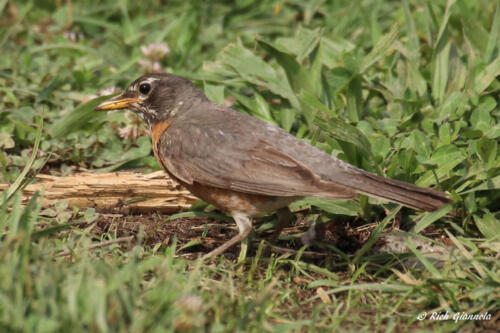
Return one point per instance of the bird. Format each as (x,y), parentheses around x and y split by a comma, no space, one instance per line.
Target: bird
(245,166)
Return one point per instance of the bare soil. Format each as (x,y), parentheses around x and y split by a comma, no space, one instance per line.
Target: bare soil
(204,234)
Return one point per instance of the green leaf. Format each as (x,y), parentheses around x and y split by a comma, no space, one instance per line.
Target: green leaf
(214,92)
(470,84)
(467,255)
(376,234)
(416,80)
(454,104)
(444,154)
(288,117)
(133,156)
(330,51)
(429,218)
(445,134)
(253,69)
(441,57)
(488,224)
(481,119)
(343,207)
(339,78)
(382,287)
(300,45)
(487,76)
(413,41)
(444,22)
(257,105)
(458,71)
(6,141)
(427,264)
(441,69)
(420,143)
(490,184)
(446,158)
(354,100)
(55,83)
(474,29)
(487,150)
(493,36)
(300,76)
(337,128)
(310,8)
(384,45)
(182,215)
(19,17)
(77,118)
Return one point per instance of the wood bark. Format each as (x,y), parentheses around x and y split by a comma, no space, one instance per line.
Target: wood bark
(117,192)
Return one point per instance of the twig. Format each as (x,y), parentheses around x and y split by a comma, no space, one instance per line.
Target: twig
(305,254)
(98,245)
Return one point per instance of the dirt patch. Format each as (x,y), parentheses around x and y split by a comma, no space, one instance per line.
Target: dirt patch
(195,236)
(156,229)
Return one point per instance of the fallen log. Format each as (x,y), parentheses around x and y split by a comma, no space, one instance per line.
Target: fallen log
(117,192)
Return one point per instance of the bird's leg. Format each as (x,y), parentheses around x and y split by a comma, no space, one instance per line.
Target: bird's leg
(244,226)
(310,235)
(285,217)
(244,247)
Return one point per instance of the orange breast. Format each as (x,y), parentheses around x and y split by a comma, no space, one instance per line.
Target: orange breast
(156,131)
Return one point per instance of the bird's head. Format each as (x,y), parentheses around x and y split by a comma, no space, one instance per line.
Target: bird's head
(155,97)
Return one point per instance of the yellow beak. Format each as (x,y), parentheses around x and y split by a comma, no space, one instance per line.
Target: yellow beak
(116,103)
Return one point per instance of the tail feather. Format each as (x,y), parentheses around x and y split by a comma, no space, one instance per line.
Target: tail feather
(397,191)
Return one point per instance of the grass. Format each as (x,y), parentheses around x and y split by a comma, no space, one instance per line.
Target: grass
(407,89)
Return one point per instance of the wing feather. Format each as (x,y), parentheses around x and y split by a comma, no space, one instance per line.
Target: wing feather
(216,156)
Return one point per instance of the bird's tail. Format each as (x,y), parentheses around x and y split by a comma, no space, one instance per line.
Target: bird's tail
(400,192)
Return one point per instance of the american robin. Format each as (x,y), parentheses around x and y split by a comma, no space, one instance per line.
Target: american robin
(245,166)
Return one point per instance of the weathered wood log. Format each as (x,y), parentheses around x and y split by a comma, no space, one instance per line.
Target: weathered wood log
(121,192)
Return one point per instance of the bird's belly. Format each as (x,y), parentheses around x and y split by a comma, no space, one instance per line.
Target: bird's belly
(229,201)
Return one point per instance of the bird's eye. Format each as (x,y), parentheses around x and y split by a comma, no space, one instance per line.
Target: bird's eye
(144,88)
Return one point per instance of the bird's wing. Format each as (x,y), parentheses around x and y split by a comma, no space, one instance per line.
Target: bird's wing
(232,155)
(223,148)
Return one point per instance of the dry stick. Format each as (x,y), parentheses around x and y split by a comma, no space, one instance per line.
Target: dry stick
(98,245)
(305,254)
(124,192)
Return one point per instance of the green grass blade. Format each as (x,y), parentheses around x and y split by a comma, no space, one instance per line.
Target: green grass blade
(493,43)
(19,180)
(466,254)
(441,57)
(384,45)
(335,127)
(487,76)
(488,224)
(413,42)
(375,235)
(427,264)
(78,118)
(490,184)
(253,69)
(429,218)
